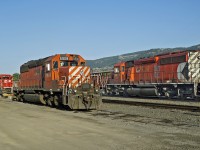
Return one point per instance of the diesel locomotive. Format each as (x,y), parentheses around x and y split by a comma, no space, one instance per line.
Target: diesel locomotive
(6,84)
(58,80)
(171,75)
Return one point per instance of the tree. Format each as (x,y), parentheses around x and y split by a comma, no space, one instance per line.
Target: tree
(16,77)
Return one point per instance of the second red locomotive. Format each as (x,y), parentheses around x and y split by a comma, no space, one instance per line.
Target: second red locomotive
(175,74)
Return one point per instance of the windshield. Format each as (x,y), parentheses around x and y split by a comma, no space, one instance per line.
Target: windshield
(63,63)
(73,63)
(5,77)
(68,63)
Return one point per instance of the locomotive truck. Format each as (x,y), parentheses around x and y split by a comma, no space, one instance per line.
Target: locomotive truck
(6,84)
(171,75)
(58,80)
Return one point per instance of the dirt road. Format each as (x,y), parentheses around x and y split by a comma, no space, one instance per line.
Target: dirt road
(27,126)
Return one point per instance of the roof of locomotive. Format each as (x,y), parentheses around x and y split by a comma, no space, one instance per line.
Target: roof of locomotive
(162,55)
(176,52)
(144,60)
(34,63)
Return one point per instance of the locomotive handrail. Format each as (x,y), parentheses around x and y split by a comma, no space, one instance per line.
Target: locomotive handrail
(64,93)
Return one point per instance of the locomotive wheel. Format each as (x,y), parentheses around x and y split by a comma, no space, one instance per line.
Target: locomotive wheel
(20,99)
(168,95)
(15,98)
(50,102)
(125,94)
(55,101)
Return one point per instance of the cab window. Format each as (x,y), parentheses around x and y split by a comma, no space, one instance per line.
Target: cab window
(48,67)
(73,63)
(123,68)
(82,63)
(116,70)
(63,63)
(55,65)
(5,77)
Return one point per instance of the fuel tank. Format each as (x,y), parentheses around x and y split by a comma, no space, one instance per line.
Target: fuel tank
(34,98)
(141,92)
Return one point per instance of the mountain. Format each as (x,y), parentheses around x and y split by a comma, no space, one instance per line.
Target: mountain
(107,63)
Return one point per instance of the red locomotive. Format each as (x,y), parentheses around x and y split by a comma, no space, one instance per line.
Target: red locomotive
(6,84)
(175,74)
(61,79)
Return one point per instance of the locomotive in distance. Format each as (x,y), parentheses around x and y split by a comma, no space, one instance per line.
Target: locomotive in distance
(58,80)
(171,75)
(6,84)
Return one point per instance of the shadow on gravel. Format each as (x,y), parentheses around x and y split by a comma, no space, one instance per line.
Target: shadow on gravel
(140,119)
(191,114)
(82,111)
(116,115)
(166,121)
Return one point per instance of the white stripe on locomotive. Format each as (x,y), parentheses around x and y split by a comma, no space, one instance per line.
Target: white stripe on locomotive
(78,76)
(71,75)
(74,82)
(193,65)
(86,75)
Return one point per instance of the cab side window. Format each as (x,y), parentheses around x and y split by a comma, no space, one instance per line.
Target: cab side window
(48,67)
(123,68)
(55,65)
(116,70)
(82,63)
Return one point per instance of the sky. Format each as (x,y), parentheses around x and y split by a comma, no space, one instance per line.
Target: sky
(33,29)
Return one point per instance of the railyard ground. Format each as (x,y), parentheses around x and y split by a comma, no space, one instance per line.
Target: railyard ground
(119,127)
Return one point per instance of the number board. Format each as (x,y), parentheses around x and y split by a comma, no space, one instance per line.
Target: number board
(64,58)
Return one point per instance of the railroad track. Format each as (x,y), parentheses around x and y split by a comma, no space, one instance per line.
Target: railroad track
(155,103)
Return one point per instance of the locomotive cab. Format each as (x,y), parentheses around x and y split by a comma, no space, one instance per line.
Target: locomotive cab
(74,82)
(129,68)
(119,73)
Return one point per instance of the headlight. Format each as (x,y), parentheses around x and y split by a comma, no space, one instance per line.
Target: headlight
(75,91)
(97,90)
